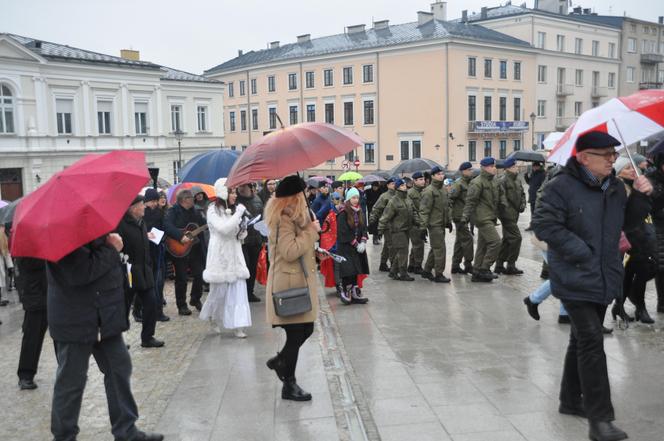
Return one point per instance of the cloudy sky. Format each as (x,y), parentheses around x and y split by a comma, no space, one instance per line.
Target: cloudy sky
(195,35)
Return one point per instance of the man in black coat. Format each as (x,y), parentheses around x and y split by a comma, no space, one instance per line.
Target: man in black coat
(580,216)
(137,248)
(534,181)
(154,218)
(32,287)
(86,316)
(252,244)
(177,218)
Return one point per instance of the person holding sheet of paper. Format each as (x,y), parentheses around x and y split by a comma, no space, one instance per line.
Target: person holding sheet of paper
(154,224)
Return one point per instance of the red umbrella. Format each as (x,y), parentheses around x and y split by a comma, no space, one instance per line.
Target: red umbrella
(77,205)
(290,149)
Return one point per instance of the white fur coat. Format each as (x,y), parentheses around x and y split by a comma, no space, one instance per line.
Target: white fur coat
(225,261)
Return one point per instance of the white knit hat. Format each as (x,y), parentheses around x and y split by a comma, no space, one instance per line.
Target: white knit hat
(621,162)
(220,189)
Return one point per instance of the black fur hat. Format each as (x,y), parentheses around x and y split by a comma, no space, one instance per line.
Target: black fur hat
(289,186)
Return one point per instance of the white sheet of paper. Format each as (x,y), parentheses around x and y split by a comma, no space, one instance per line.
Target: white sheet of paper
(261,227)
(158,234)
(254,220)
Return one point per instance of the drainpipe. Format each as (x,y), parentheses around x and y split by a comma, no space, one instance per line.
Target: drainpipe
(377,148)
(302,82)
(249,122)
(447,105)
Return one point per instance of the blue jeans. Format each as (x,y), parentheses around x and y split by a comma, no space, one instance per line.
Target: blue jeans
(544,291)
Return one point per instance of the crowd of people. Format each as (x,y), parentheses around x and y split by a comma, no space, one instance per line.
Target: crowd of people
(598,223)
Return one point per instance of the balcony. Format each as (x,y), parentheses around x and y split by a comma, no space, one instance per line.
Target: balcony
(564,89)
(652,58)
(599,92)
(562,123)
(497,126)
(650,85)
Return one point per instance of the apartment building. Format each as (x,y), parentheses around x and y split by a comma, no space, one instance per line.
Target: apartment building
(58,103)
(431,88)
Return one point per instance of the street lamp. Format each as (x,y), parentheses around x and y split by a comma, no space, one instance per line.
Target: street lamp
(179,134)
(532,130)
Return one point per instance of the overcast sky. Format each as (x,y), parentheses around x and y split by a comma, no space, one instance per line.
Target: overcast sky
(195,35)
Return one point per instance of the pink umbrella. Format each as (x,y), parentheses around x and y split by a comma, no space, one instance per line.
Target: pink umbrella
(629,119)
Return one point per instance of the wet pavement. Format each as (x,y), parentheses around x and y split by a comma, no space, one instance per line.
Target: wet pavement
(422,361)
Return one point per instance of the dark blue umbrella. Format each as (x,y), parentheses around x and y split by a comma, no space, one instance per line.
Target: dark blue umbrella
(207,167)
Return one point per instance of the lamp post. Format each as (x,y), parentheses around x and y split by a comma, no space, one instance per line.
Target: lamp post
(179,134)
(532,130)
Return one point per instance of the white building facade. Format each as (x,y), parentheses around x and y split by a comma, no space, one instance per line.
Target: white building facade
(59,103)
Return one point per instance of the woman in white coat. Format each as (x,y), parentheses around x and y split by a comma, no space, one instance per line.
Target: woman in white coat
(225,268)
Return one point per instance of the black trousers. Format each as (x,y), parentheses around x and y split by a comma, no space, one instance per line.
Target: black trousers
(148,302)
(296,335)
(585,377)
(114,362)
(34,329)
(251,252)
(193,262)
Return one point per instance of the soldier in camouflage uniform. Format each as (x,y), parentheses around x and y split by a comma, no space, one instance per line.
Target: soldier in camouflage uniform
(512,203)
(416,238)
(463,244)
(374,217)
(435,216)
(399,217)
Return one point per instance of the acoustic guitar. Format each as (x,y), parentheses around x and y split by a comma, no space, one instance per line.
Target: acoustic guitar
(178,249)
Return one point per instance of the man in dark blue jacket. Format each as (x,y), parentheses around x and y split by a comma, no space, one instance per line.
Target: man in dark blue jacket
(322,204)
(86,316)
(580,216)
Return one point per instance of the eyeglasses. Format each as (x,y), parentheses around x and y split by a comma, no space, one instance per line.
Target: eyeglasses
(607,156)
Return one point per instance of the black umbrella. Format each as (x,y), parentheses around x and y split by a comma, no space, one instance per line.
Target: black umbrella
(372,178)
(527,155)
(7,212)
(383,174)
(413,165)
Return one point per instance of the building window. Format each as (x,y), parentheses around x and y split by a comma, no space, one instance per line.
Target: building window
(417,149)
(104,109)
(369,153)
(350,156)
(64,109)
(578,45)
(292,111)
(254,87)
(244,147)
(233,148)
(517,145)
(309,79)
(254,119)
(578,77)
(7,110)
(141,118)
(487,68)
(541,108)
(595,104)
(271,86)
(472,66)
(348,113)
(632,27)
(329,113)
(631,45)
(560,109)
(541,74)
(502,106)
(348,75)
(176,117)
(472,108)
(311,112)
(231,118)
(328,77)
(503,69)
(368,112)
(367,74)
(578,108)
(472,150)
(612,50)
(487,108)
(517,70)
(595,48)
(517,108)
(560,43)
(292,81)
(243,120)
(201,113)
(541,40)
(242,88)
(612,80)
(502,152)
(405,150)
(630,74)
(487,148)
(272,117)
(231,90)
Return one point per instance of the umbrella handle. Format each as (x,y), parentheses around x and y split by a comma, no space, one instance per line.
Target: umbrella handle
(306,199)
(629,154)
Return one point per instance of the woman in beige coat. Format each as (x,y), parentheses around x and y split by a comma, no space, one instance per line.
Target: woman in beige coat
(292,237)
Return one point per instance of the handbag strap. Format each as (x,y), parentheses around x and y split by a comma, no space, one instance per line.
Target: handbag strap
(301,259)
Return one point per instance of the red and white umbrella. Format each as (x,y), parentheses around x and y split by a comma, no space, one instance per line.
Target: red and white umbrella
(629,119)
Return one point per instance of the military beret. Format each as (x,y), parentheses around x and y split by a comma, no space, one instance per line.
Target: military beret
(595,140)
(437,169)
(509,162)
(465,166)
(398,182)
(487,161)
(417,175)
(391,179)
(289,186)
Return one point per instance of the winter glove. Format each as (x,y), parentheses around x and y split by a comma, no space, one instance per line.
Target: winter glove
(449,227)
(242,235)
(361,247)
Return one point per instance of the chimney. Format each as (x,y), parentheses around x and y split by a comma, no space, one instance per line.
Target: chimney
(38,43)
(424,17)
(274,44)
(129,54)
(464,16)
(586,11)
(661,19)
(239,52)
(381,24)
(355,29)
(439,10)
(578,10)
(484,13)
(305,38)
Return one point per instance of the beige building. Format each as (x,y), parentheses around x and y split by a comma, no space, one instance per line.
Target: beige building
(446,91)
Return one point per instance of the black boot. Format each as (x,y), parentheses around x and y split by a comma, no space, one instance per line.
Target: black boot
(468,268)
(513,271)
(619,311)
(278,366)
(291,391)
(499,269)
(417,270)
(384,268)
(426,275)
(605,431)
(356,296)
(456,269)
(482,276)
(404,278)
(440,278)
(410,269)
(532,308)
(641,315)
